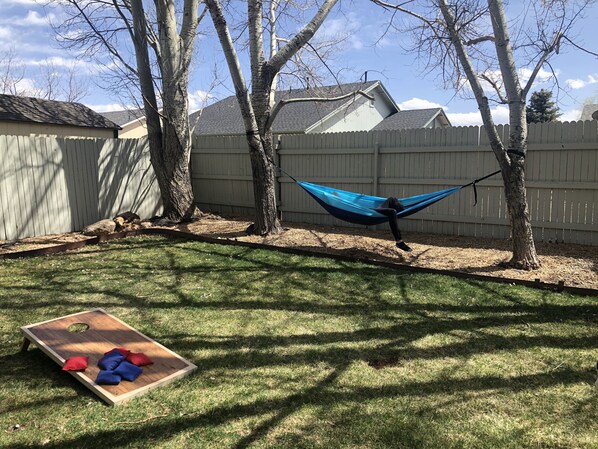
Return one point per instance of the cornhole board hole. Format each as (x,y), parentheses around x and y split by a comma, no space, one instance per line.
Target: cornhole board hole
(95,332)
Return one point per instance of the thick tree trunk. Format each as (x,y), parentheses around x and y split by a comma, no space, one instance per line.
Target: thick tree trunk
(524,250)
(175,178)
(264,185)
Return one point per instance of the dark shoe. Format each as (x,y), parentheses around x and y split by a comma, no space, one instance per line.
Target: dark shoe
(402,245)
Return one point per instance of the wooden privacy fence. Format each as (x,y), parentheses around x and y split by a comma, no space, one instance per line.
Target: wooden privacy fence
(562,177)
(53,185)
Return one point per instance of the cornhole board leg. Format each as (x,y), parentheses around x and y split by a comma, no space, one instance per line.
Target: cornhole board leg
(172,369)
(25,344)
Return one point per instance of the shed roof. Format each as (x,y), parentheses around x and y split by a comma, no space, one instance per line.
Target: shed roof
(37,110)
(415,118)
(224,117)
(125,116)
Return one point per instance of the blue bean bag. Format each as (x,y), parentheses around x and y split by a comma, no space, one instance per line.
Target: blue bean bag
(128,371)
(111,360)
(106,377)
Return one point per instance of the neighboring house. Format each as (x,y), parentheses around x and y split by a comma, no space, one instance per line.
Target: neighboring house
(590,112)
(351,114)
(414,118)
(132,122)
(24,116)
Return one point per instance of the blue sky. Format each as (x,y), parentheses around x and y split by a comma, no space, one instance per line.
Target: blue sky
(24,27)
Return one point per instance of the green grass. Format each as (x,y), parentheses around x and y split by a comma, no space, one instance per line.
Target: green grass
(283,345)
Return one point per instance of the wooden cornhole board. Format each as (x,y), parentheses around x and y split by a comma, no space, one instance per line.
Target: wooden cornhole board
(104,333)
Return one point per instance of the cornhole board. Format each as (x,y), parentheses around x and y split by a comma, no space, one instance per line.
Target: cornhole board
(105,332)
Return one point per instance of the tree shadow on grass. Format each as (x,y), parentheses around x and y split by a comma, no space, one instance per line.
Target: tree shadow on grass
(395,325)
(322,394)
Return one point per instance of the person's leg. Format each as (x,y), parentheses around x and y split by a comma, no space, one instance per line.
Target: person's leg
(394,224)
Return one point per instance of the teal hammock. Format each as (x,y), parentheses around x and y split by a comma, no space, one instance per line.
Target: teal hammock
(360,209)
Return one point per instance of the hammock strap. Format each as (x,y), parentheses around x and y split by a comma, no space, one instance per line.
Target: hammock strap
(473,183)
(279,167)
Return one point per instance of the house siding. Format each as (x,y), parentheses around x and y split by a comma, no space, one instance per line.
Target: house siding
(361,116)
(134,130)
(43,129)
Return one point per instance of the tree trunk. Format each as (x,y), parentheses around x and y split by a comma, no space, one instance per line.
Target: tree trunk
(524,250)
(177,192)
(264,184)
(168,134)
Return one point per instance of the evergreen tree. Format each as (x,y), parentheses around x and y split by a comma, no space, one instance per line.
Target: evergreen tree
(541,108)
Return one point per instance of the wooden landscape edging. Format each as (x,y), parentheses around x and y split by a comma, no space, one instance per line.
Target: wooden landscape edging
(537,284)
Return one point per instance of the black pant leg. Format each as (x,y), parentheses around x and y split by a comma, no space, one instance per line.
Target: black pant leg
(392,221)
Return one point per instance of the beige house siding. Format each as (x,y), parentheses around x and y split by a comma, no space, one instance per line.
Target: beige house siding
(42,129)
(436,123)
(133,130)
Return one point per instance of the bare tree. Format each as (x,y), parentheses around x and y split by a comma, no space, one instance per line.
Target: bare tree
(74,88)
(257,106)
(12,73)
(49,81)
(470,42)
(162,39)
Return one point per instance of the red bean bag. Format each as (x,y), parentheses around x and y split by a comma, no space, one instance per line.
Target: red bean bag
(78,363)
(139,359)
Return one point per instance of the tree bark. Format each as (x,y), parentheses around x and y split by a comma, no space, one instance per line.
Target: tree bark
(168,133)
(524,250)
(511,164)
(256,108)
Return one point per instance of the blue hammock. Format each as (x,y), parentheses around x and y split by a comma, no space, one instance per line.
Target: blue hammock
(360,209)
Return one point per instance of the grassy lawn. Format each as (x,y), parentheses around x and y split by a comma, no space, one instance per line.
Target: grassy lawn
(284,347)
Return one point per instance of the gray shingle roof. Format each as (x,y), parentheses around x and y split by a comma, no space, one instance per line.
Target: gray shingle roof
(588,110)
(416,118)
(27,109)
(224,117)
(123,117)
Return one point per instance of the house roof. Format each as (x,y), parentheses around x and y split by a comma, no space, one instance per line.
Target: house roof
(224,117)
(27,109)
(125,116)
(415,118)
(590,112)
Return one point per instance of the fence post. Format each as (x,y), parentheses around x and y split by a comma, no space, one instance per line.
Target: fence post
(375,169)
(277,176)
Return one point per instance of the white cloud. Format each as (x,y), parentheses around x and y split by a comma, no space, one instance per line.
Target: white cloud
(26,86)
(5,33)
(542,77)
(344,27)
(580,84)
(33,18)
(198,99)
(570,116)
(500,114)
(419,103)
(108,107)
(20,2)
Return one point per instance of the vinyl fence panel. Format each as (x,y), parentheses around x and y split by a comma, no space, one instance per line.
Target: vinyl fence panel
(561,167)
(52,185)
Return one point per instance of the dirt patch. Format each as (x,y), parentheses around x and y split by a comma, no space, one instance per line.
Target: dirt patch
(575,265)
